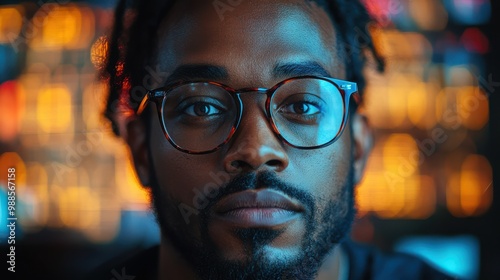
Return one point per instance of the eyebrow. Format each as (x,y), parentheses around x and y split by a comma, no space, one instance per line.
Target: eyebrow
(217,73)
(286,70)
(198,71)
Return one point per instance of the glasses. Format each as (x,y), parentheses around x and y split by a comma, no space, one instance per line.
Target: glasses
(199,117)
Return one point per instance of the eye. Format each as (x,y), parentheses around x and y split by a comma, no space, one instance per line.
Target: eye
(201,109)
(301,108)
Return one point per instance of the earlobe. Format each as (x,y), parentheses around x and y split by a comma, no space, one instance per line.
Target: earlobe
(363,144)
(137,141)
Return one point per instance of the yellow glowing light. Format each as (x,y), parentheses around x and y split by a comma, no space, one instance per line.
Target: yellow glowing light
(98,52)
(61,26)
(54,110)
(396,99)
(401,100)
(386,112)
(428,14)
(36,77)
(133,195)
(79,207)
(92,106)
(401,155)
(11,22)
(13,160)
(446,112)
(404,46)
(473,107)
(392,186)
(371,188)
(421,106)
(64,26)
(425,205)
(403,197)
(109,221)
(374,106)
(462,106)
(470,192)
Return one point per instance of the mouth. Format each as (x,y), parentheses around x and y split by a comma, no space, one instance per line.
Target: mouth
(257,208)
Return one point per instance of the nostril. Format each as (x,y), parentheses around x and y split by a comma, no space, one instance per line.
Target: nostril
(236,164)
(274,162)
(242,165)
(239,165)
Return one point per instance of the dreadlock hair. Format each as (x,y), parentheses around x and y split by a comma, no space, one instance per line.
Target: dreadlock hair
(133,40)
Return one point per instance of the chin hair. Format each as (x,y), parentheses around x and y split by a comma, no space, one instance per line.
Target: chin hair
(325,228)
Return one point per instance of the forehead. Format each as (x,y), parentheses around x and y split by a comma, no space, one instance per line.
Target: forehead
(250,37)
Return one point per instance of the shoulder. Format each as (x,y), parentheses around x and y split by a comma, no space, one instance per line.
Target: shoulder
(137,265)
(367,262)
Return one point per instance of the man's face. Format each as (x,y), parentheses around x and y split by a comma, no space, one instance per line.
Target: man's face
(256,208)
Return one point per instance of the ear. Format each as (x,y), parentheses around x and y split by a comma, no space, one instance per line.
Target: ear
(137,141)
(363,144)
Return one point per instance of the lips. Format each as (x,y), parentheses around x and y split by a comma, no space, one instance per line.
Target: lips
(257,208)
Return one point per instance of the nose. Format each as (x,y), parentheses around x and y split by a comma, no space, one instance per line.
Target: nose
(254,145)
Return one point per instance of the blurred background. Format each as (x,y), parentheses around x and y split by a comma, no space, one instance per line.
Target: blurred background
(428,188)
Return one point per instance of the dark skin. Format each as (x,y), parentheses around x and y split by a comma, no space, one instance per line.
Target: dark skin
(248,46)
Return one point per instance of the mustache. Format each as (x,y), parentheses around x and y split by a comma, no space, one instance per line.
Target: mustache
(266,179)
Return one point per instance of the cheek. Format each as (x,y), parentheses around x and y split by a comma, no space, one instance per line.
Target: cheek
(180,175)
(323,171)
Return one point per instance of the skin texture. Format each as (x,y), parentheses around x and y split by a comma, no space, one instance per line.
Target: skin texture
(249,43)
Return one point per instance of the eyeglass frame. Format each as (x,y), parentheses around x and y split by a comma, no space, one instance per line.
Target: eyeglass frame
(346,89)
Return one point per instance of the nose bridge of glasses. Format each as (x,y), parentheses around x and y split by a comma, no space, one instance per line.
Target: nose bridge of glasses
(254,121)
(253,100)
(256,132)
(255,143)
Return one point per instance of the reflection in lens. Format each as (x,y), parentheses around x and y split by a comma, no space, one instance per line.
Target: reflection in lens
(198,116)
(319,123)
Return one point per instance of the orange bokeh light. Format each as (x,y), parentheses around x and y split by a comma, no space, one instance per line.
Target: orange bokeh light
(12,107)
(63,26)
(11,22)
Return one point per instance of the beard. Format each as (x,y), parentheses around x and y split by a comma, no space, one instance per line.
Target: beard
(328,221)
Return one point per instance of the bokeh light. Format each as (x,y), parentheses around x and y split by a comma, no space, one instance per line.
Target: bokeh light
(11,22)
(54,108)
(63,26)
(393,186)
(12,107)
(469,190)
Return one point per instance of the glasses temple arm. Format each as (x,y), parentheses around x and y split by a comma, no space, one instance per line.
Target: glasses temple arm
(352,90)
(143,103)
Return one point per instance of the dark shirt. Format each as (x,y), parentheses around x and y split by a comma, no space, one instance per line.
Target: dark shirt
(365,262)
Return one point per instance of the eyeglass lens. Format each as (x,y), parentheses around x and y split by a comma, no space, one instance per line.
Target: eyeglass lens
(200,116)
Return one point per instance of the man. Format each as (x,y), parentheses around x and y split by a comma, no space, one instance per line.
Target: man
(251,144)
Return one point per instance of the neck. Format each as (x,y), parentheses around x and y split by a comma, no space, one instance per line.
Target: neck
(172,265)
(335,265)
